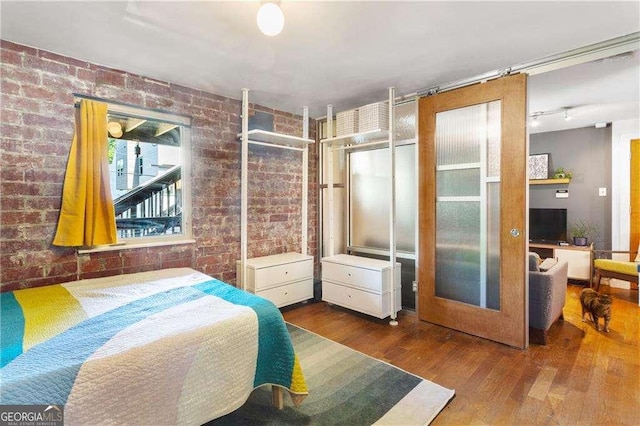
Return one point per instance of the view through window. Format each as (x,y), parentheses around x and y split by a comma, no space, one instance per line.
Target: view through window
(146,160)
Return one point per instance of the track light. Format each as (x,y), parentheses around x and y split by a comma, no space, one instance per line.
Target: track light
(535,116)
(534,121)
(270,19)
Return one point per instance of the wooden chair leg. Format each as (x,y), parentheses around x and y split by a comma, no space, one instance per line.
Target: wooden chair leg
(598,278)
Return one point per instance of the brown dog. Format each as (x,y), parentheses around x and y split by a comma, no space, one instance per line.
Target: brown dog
(598,305)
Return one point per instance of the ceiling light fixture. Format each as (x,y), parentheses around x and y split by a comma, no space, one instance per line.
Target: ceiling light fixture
(535,116)
(534,121)
(270,19)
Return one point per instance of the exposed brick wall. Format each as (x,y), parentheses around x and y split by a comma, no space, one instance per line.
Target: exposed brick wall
(37,121)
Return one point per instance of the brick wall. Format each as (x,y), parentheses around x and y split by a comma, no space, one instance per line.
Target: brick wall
(37,121)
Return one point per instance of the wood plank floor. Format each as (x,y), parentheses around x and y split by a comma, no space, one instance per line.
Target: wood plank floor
(581,377)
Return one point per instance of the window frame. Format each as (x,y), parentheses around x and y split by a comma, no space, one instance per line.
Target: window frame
(184,122)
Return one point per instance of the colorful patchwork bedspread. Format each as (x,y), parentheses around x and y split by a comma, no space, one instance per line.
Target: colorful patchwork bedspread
(164,347)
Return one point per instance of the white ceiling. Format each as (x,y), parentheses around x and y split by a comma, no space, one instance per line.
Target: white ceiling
(345,53)
(601,91)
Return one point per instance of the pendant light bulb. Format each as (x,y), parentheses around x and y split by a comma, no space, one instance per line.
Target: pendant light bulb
(270,19)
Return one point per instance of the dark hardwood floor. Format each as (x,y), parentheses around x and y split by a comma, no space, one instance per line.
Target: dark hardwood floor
(581,377)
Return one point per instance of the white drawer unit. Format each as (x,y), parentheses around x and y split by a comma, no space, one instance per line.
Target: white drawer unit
(579,261)
(284,279)
(361,284)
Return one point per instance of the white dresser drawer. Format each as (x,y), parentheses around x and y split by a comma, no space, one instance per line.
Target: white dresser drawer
(353,276)
(279,274)
(289,293)
(359,300)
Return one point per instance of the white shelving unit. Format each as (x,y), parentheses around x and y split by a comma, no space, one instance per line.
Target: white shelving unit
(279,141)
(355,142)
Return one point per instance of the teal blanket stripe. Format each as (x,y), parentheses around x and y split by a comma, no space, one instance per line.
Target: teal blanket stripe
(11,328)
(275,351)
(45,374)
(47,371)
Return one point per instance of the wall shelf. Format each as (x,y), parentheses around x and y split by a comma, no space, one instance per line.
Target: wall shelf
(377,135)
(549,181)
(264,136)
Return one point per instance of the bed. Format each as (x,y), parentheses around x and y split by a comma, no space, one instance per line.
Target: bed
(173,346)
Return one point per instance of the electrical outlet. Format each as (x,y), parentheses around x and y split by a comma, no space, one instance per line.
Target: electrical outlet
(602,192)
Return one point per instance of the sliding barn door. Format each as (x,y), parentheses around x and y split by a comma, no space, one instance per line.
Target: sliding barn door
(472,210)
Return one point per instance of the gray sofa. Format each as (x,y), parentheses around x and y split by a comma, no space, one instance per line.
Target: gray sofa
(547,294)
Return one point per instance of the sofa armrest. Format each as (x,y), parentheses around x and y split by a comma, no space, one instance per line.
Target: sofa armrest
(547,295)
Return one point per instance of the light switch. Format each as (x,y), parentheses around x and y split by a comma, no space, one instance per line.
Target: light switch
(602,192)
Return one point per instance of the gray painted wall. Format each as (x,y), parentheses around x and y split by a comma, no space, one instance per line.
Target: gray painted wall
(586,152)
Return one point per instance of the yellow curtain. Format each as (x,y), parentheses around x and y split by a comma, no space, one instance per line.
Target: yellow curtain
(87,217)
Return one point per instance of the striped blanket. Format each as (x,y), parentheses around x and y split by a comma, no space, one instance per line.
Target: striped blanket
(163,347)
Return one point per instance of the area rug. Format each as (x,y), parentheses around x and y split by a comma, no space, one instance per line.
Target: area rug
(346,387)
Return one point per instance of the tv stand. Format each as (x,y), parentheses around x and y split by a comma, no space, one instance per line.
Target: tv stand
(549,242)
(579,258)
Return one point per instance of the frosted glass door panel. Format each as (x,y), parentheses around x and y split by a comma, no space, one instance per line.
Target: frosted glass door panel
(494,111)
(468,204)
(370,198)
(457,138)
(457,251)
(405,121)
(338,166)
(493,246)
(458,183)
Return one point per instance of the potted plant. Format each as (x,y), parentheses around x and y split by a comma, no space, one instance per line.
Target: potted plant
(561,173)
(581,230)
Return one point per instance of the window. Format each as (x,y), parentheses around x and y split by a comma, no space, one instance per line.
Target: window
(148,152)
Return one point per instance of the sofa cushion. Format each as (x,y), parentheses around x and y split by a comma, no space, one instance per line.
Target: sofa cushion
(627,268)
(547,264)
(534,262)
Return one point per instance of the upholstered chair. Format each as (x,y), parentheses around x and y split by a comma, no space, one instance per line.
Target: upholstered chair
(619,269)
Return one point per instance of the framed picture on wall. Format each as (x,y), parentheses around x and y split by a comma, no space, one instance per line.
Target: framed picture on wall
(539,166)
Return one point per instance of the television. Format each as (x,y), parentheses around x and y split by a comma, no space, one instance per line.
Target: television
(547,225)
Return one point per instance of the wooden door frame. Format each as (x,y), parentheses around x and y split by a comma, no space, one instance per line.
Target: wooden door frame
(510,324)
